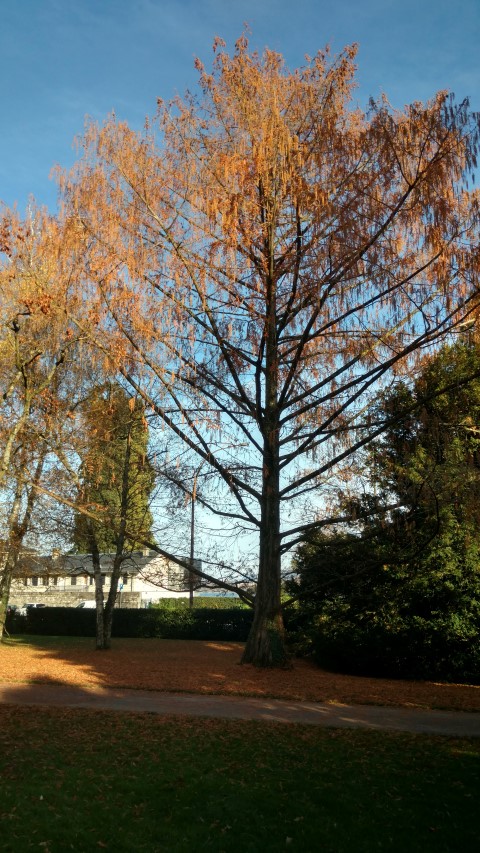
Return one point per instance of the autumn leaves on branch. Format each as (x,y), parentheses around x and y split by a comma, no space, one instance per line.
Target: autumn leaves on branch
(255,265)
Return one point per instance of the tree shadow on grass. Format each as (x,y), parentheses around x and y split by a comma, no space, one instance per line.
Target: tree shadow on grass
(145,664)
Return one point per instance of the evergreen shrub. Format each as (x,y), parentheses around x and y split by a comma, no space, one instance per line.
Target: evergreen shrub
(444,648)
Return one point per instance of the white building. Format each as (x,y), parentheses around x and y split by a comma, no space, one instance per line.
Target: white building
(65,580)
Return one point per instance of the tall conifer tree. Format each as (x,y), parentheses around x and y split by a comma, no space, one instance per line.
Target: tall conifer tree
(111,420)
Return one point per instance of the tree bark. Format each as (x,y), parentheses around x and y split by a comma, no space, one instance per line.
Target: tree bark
(97,573)
(119,551)
(11,556)
(192,541)
(266,641)
(17,530)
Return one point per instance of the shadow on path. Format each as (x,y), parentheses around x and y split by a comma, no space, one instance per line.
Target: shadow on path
(454,723)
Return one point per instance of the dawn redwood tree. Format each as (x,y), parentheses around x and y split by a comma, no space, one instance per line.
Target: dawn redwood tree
(265,257)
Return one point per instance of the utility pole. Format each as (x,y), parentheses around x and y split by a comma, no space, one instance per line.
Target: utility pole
(193,497)
(192,537)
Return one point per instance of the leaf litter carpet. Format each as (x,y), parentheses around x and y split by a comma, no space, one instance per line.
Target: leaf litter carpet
(211,668)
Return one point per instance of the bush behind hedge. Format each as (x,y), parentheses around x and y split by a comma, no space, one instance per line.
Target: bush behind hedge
(414,648)
(165,623)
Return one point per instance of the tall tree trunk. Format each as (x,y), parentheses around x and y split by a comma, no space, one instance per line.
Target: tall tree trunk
(266,641)
(192,541)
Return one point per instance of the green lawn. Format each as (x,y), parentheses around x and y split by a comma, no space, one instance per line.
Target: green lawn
(86,781)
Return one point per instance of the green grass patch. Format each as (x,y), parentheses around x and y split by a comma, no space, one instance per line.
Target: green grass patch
(85,780)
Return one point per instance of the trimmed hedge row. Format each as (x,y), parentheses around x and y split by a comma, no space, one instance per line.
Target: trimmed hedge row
(210,602)
(168,624)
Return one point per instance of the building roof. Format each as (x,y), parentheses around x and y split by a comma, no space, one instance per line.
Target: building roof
(82,564)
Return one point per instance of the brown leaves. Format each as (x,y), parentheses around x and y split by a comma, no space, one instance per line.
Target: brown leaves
(209,667)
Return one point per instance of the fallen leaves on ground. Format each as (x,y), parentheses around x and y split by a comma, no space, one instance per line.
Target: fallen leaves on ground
(212,667)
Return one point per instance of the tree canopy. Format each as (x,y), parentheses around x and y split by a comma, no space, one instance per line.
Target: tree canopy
(40,365)
(258,265)
(261,260)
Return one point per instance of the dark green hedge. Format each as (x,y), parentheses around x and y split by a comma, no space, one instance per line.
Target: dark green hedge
(415,648)
(169,624)
(443,647)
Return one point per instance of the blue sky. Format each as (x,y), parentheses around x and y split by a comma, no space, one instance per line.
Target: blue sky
(61,60)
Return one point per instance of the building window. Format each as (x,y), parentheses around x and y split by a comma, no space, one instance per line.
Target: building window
(45,580)
(73,581)
(91,581)
(34,581)
(25,581)
(103,580)
(55,580)
(125,580)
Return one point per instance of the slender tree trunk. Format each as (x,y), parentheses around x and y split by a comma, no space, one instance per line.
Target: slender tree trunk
(17,530)
(10,443)
(110,602)
(119,552)
(11,555)
(97,573)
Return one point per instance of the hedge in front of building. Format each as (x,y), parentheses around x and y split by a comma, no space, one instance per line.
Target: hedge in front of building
(210,602)
(168,624)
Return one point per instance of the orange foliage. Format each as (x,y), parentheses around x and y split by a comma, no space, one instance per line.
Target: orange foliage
(212,667)
(266,269)
(277,238)
(38,302)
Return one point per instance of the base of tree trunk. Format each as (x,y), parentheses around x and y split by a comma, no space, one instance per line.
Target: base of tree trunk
(266,645)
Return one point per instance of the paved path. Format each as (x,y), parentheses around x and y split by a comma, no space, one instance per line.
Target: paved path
(245,708)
